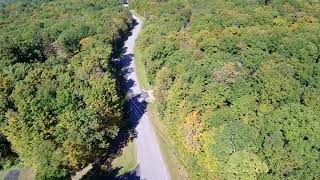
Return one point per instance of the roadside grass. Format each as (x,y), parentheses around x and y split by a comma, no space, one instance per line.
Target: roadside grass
(127,160)
(124,163)
(141,70)
(136,14)
(138,61)
(175,167)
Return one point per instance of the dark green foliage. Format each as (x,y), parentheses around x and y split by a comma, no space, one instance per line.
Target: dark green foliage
(59,103)
(7,157)
(71,39)
(249,70)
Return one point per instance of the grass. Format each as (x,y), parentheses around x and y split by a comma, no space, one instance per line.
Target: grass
(127,160)
(141,70)
(175,167)
(139,63)
(136,14)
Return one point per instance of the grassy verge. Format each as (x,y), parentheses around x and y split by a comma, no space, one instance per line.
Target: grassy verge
(136,14)
(127,160)
(175,167)
(141,70)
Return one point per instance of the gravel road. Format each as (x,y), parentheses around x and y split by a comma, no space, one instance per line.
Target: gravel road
(150,161)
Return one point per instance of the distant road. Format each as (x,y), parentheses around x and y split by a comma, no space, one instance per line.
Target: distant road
(149,157)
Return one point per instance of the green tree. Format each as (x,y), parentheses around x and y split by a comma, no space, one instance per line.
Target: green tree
(59,102)
(245,165)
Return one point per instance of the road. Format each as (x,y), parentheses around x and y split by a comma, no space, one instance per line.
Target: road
(150,161)
(12,175)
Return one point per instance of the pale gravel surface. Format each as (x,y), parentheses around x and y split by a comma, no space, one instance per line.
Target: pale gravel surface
(149,158)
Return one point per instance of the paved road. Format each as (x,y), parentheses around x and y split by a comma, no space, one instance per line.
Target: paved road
(150,160)
(12,175)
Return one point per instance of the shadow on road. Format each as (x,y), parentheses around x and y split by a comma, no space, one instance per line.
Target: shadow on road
(135,108)
(12,175)
(112,175)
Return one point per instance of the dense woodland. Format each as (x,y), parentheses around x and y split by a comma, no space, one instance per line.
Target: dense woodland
(60,105)
(237,83)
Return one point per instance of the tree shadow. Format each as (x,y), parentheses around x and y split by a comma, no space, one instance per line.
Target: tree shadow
(12,175)
(134,109)
(112,174)
(136,105)
(118,43)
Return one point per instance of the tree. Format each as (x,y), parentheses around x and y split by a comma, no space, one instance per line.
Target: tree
(267,2)
(245,165)
(243,72)
(163,84)
(289,142)
(59,102)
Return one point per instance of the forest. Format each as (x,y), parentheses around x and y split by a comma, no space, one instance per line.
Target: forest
(60,104)
(237,84)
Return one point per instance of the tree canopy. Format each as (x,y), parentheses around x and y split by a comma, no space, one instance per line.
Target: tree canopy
(60,106)
(237,84)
